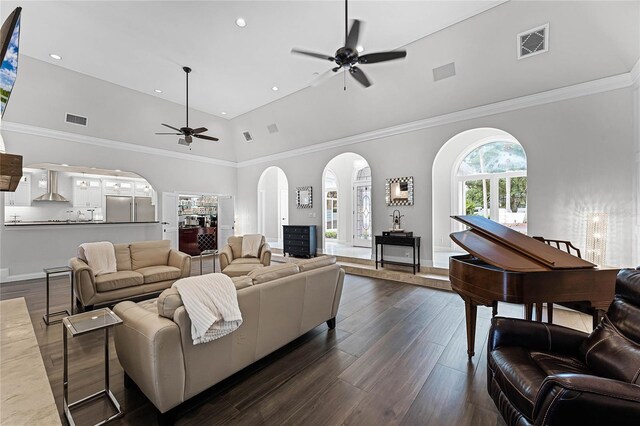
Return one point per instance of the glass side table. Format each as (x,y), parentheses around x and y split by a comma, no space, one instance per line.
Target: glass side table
(57,271)
(87,322)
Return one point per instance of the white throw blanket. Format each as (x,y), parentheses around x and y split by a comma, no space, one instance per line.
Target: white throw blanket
(212,305)
(251,245)
(101,257)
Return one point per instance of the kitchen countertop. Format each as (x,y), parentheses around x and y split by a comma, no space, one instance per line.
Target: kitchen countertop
(46,223)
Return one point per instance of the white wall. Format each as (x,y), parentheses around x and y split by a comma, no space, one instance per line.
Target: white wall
(41,97)
(579,155)
(271,183)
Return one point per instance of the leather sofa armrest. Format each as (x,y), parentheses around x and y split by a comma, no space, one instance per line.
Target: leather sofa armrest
(534,335)
(84,281)
(182,261)
(149,349)
(226,257)
(265,254)
(584,399)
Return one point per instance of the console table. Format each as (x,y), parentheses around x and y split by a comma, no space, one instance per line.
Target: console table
(403,241)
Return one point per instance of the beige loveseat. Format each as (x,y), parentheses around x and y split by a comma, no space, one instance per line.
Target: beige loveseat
(234,265)
(278,304)
(145,267)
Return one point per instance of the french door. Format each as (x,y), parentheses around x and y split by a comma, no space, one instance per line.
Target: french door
(362,214)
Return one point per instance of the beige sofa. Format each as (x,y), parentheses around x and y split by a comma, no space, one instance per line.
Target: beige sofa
(145,267)
(234,265)
(278,304)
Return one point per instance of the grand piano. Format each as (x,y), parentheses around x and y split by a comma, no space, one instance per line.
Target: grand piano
(504,265)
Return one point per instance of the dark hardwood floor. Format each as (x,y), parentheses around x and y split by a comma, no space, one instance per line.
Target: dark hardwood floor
(397,356)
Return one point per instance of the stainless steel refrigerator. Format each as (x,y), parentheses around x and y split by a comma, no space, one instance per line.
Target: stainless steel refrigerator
(143,210)
(119,208)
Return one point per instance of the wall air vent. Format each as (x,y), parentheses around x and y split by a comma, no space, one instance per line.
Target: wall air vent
(247,136)
(76,119)
(533,41)
(444,71)
(272,128)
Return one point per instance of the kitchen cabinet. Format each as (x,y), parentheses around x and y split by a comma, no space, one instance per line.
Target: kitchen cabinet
(22,195)
(87,194)
(113,187)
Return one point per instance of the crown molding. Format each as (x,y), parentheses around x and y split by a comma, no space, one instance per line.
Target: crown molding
(8,126)
(593,87)
(564,93)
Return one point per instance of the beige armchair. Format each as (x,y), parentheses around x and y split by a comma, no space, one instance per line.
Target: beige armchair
(234,265)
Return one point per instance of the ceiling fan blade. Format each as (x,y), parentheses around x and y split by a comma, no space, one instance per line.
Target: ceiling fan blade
(209,138)
(314,54)
(199,130)
(359,76)
(354,34)
(171,127)
(372,58)
(168,133)
(322,77)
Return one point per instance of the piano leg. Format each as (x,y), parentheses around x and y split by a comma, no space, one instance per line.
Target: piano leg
(539,312)
(597,317)
(494,308)
(549,313)
(471,311)
(528,311)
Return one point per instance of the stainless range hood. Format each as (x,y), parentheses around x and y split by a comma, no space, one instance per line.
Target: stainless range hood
(52,189)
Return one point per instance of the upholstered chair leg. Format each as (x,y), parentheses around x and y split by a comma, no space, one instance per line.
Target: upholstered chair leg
(331,323)
(128,383)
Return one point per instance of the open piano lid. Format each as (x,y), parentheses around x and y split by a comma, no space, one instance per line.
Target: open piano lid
(510,250)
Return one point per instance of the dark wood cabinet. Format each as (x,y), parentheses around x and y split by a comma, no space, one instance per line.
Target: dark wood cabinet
(188,238)
(300,240)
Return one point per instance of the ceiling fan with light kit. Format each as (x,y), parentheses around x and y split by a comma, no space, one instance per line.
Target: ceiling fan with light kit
(347,57)
(186,131)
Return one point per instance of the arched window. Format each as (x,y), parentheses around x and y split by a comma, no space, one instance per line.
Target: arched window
(492,182)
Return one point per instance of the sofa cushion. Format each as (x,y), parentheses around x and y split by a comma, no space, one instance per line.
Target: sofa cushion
(168,301)
(246,260)
(239,269)
(520,373)
(117,280)
(236,246)
(155,274)
(273,272)
(242,282)
(123,257)
(316,262)
(149,253)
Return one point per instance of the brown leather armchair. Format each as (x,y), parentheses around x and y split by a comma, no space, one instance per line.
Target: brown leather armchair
(545,374)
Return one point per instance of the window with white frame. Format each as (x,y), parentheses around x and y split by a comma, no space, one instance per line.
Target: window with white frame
(492,182)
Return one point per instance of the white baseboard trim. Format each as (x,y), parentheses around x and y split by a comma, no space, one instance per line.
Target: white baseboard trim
(20,277)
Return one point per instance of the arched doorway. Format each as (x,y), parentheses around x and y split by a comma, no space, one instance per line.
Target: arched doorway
(273,204)
(478,172)
(346,211)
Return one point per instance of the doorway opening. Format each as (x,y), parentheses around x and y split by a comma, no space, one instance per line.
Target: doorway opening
(273,204)
(477,172)
(346,209)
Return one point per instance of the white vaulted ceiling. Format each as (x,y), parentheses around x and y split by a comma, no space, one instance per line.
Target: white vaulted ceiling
(142,45)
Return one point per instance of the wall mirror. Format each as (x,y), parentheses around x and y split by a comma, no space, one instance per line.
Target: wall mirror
(304,196)
(399,191)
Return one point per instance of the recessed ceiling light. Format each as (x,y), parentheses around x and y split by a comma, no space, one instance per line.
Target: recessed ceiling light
(241,22)
(118,170)
(275,88)
(223,113)
(66,165)
(54,56)
(157,90)
(360,49)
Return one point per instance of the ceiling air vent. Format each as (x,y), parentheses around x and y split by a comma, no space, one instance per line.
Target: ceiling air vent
(272,128)
(444,71)
(247,136)
(533,41)
(76,119)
